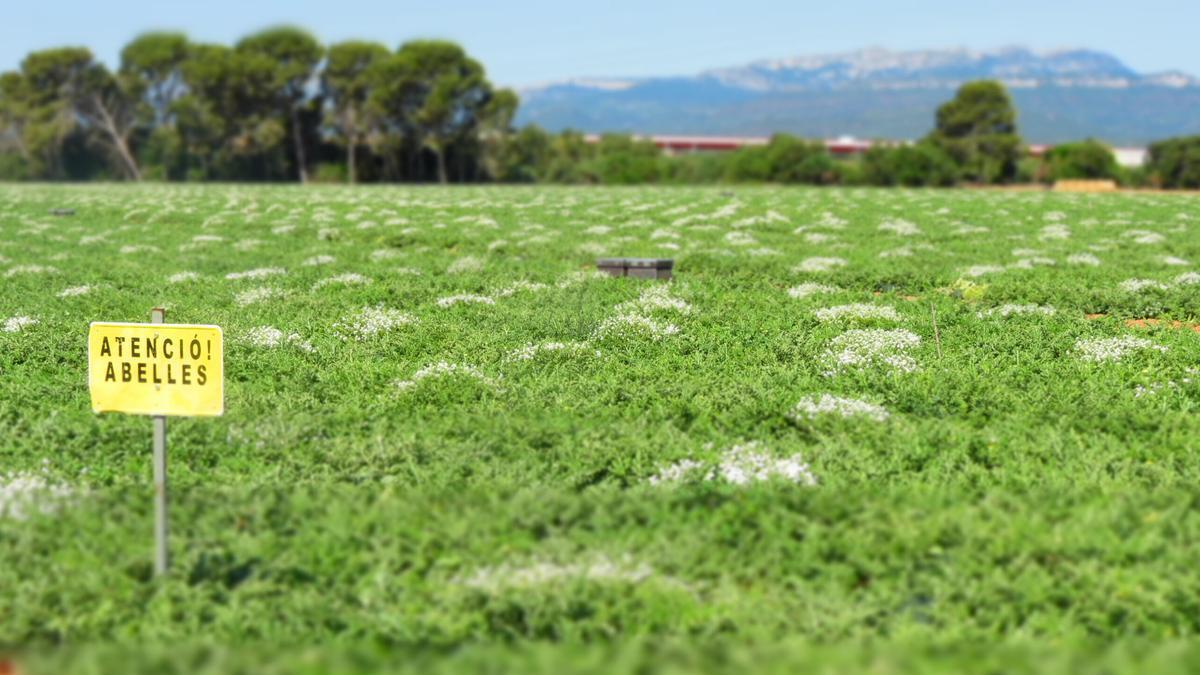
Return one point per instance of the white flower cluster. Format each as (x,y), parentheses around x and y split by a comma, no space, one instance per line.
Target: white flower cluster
(465,299)
(1057,231)
(819,264)
(871,348)
(270,337)
(901,227)
(576,278)
(443,369)
(385,254)
(655,298)
(857,312)
(371,321)
(1012,310)
(805,290)
(18,323)
(256,295)
(260,273)
(1144,237)
(74,291)
(634,317)
(347,279)
(25,494)
(976,271)
(465,264)
(1113,349)
(30,269)
(318,260)
(1083,259)
(828,404)
(740,465)
(517,286)
(1137,285)
(1173,261)
(1153,389)
(632,324)
(182,277)
(600,569)
(531,351)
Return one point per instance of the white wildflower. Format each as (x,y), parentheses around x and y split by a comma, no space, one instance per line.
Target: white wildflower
(386,254)
(819,264)
(633,324)
(1113,349)
(1137,285)
(976,271)
(371,321)
(17,324)
(443,369)
(1187,279)
(30,269)
(260,273)
(517,286)
(740,465)
(805,290)
(465,264)
(655,298)
(598,570)
(269,337)
(1050,232)
(875,348)
(25,494)
(1083,259)
(828,404)
(256,295)
(1174,262)
(318,260)
(74,291)
(465,299)
(347,279)
(182,277)
(1010,310)
(901,227)
(531,351)
(857,312)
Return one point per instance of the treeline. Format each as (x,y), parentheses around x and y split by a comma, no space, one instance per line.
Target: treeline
(280,106)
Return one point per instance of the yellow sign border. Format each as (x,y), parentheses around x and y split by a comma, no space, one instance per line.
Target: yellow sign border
(221,385)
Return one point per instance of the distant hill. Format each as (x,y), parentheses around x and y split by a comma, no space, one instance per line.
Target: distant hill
(877,93)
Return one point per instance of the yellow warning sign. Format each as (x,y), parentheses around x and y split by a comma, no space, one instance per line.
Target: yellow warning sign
(156,369)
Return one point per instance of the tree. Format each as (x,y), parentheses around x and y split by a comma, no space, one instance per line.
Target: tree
(347,84)
(978,130)
(434,90)
(49,79)
(155,61)
(294,55)
(14,116)
(923,164)
(109,104)
(226,118)
(1088,159)
(1175,163)
(496,128)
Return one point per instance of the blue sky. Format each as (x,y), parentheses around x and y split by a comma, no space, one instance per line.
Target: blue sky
(527,42)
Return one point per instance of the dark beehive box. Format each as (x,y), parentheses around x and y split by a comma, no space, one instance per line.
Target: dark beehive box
(641,268)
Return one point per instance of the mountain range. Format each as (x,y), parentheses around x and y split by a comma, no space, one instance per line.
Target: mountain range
(1060,96)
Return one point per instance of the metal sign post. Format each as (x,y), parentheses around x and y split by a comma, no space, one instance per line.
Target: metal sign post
(161,559)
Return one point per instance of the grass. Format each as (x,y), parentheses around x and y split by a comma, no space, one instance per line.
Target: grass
(1021,509)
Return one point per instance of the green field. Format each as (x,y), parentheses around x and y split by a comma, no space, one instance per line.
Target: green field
(449,445)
